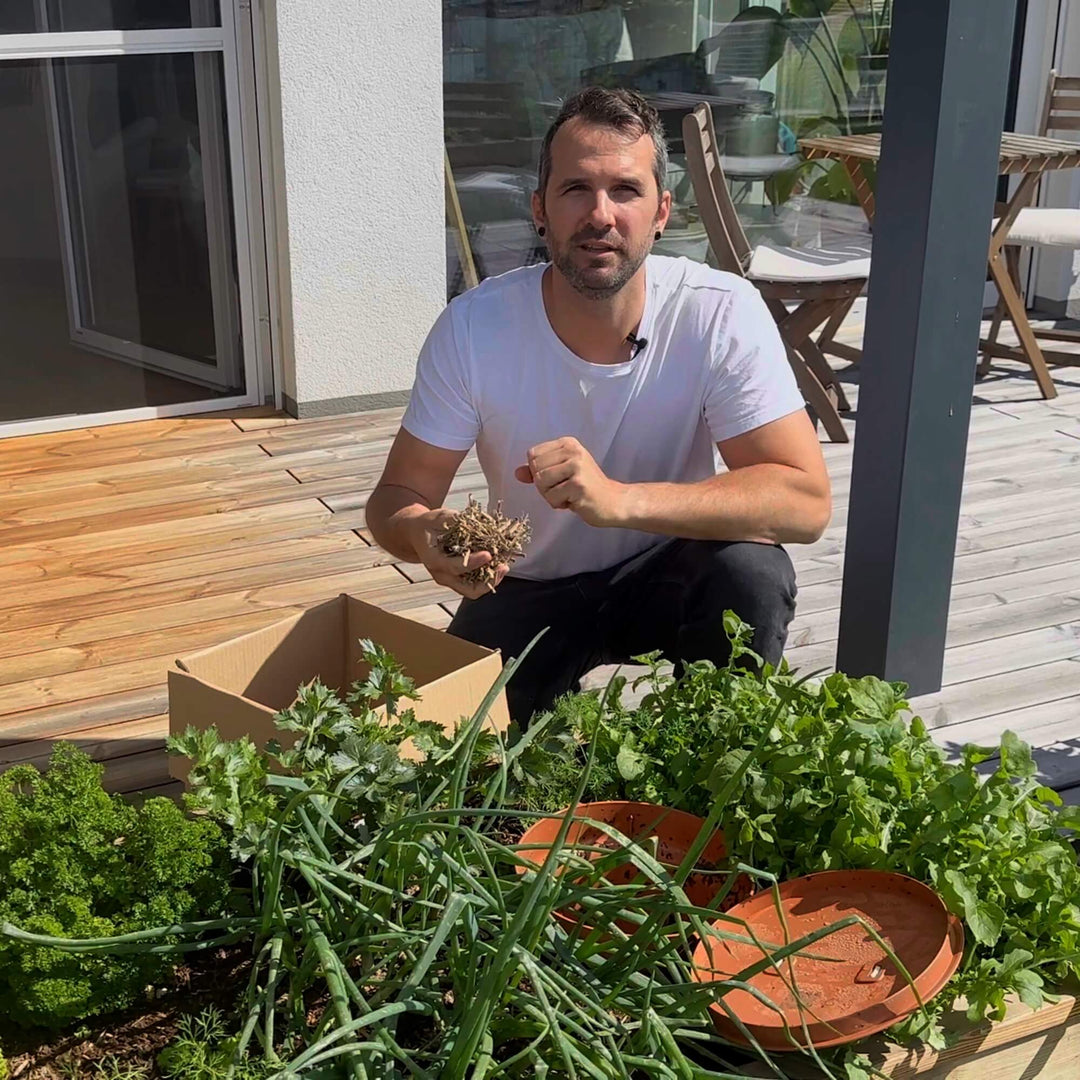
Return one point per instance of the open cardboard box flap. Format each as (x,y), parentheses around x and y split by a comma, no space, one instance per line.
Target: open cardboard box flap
(241,684)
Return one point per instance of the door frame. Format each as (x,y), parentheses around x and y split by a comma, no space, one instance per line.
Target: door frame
(232,39)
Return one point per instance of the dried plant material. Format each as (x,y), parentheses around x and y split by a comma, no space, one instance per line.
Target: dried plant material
(474,529)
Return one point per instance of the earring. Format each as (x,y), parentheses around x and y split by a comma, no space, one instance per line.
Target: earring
(540,230)
(658,235)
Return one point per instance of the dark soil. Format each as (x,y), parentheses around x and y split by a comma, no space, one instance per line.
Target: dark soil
(133,1038)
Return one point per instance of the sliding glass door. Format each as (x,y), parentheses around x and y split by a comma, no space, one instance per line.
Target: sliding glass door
(125,270)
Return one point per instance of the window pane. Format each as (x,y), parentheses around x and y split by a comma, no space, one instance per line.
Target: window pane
(117,251)
(774,71)
(36,16)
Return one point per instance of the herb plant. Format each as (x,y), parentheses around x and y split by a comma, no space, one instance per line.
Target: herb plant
(844,779)
(77,862)
(204,1050)
(396,934)
(396,931)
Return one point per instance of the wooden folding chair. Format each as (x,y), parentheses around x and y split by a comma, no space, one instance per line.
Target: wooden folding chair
(823,284)
(456,219)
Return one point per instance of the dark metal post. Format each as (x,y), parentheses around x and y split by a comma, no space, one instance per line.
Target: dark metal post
(948,71)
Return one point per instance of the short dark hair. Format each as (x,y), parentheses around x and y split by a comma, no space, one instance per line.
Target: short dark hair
(624,110)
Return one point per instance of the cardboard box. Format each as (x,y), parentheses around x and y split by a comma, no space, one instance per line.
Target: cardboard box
(240,685)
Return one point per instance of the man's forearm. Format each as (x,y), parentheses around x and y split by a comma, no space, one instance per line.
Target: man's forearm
(760,502)
(391,515)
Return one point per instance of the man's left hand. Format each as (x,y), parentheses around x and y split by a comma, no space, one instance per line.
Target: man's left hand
(567,476)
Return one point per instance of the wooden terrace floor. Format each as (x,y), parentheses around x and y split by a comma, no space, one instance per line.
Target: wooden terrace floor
(124,547)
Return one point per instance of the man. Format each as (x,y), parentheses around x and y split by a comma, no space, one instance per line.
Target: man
(596,388)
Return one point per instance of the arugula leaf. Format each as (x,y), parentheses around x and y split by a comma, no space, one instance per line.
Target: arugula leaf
(629,762)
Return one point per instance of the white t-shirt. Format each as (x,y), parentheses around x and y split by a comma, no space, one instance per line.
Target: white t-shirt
(493,373)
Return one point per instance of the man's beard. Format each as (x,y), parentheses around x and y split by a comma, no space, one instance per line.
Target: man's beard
(598,283)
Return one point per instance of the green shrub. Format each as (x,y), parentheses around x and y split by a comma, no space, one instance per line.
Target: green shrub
(77,862)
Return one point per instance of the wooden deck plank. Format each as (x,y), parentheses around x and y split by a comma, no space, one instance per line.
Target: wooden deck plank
(56,586)
(985,616)
(150,471)
(158,540)
(174,491)
(277,490)
(987,563)
(164,514)
(101,743)
(75,484)
(457,499)
(373,417)
(1043,724)
(147,772)
(146,672)
(430,615)
(79,455)
(137,620)
(85,712)
(1000,694)
(101,652)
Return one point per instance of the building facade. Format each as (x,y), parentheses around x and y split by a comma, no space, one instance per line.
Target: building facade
(209,204)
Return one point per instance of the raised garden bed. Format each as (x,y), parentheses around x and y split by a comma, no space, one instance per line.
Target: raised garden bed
(390,927)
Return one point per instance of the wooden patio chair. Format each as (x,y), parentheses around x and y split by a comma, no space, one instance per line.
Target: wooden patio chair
(821,284)
(1041,226)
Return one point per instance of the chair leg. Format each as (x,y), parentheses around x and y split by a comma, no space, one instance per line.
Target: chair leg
(821,404)
(836,320)
(797,328)
(1014,306)
(1012,261)
(815,358)
(987,357)
(820,390)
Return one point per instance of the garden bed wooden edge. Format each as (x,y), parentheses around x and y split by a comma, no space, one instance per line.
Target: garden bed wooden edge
(1026,1044)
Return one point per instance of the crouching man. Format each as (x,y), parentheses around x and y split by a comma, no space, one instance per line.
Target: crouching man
(597,389)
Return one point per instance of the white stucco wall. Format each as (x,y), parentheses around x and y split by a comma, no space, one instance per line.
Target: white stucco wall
(362,162)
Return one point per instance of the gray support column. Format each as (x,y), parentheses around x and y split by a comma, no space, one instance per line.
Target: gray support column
(948,71)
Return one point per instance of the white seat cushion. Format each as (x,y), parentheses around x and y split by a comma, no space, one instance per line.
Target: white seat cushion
(842,261)
(1039,226)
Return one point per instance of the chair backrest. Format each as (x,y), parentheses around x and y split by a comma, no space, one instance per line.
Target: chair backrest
(1061,107)
(718,213)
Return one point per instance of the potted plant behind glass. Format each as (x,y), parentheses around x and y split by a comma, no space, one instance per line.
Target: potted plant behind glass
(834,64)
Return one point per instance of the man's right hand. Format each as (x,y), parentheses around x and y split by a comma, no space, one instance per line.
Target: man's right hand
(449,570)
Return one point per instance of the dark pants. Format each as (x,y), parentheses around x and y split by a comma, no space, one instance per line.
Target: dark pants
(671,597)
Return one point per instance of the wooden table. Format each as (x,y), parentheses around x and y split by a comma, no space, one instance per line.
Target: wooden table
(1028,156)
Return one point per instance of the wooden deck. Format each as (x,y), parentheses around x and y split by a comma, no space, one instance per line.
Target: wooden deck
(124,547)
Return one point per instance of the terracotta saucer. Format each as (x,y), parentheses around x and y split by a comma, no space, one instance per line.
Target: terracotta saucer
(858,990)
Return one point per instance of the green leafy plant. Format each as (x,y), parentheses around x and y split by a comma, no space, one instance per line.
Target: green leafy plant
(203,1050)
(78,862)
(849,62)
(112,1068)
(833,55)
(409,939)
(844,780)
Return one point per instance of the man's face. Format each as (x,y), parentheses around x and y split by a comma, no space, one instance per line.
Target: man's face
(601,207)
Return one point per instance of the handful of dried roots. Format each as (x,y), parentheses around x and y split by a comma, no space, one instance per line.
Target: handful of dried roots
(474,529)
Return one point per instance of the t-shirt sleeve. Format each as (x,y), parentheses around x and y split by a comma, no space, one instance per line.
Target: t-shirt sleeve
(441,409)
(751,382)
